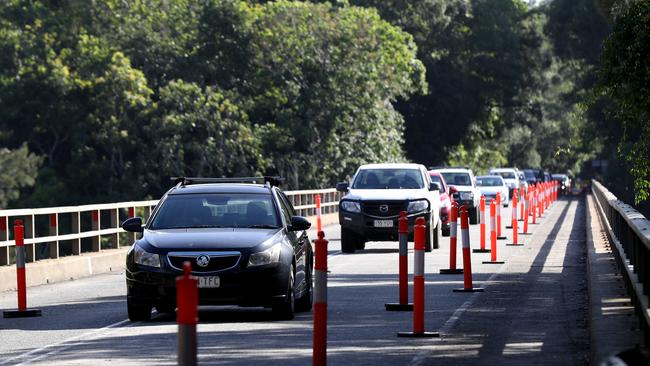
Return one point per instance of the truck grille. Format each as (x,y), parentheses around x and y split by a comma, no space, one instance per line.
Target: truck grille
(218,261)
(383,208)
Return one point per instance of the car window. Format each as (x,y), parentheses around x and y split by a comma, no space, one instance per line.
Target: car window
(489,181)
(436,179)
(388,179)
(506,175)
(287,202)
(458,179)
(215,210)
(285,208)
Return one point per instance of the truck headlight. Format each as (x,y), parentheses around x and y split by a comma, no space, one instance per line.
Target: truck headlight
(350,206)
(466,195)
(268,256)
(141,256)
(417,206)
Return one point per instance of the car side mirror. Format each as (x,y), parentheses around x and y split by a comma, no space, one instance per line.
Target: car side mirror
(434,186)
(342,186)
(299,223)
(133,224)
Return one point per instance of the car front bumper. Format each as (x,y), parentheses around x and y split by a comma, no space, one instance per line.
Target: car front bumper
(364,225)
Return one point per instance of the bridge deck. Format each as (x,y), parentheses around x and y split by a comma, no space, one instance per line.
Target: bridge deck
(535,310)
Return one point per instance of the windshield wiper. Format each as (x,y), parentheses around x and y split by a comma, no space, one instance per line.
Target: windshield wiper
(263,227)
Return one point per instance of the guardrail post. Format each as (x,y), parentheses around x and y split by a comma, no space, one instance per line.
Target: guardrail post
(21,279)
(54,231)
(115,224)
(131,236)
(75,229)
(30,249)
(4,250)
(95,226)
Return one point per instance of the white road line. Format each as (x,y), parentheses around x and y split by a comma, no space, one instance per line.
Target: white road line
(38,350)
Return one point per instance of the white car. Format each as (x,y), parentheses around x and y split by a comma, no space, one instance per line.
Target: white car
(464,191)
(510,176)
(378,193)
(490,185)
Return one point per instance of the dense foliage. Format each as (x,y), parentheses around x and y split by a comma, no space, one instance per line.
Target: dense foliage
(105,100)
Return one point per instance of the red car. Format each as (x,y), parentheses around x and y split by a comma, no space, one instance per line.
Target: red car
(445,201)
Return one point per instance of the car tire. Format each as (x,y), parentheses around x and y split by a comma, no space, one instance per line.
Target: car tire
(304,303)
(138,311)
(473,216)
(446,231)
(348,241)
(166,308)
(430,239)
(285,310)
(361,243)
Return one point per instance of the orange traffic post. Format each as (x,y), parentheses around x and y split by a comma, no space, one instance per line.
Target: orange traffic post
(319,223)
(522,203)
(319,356)
(187,301)
(499,224)
(533,205)
(526,208)
(493,235)
(403,235)
(482,249)
(515,224)
(468,286)
(453,234)
(418,284)
(21,278)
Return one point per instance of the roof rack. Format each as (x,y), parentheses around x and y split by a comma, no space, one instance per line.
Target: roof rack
(268,180)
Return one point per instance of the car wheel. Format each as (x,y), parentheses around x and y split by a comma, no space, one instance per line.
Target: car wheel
(286,309)
(473,216)
(165,308)
(304,303)
(361,243)
(436,237)
(138,311)
(348,241)
(446,231)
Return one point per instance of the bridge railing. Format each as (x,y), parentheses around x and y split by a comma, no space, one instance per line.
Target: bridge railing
(55,232)
(629,233)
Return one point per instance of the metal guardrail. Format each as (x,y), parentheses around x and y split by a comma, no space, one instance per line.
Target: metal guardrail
(55,232)
(629,232)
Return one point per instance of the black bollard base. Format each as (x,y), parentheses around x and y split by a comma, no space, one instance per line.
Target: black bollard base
(481,251)
(28,313)
(473,289)
(398,307)
(502,237)
(514,245)
(451,271)
(418,335)
(493,262)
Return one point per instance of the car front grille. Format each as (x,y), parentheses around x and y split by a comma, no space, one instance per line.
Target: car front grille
(216,261)
(383,208)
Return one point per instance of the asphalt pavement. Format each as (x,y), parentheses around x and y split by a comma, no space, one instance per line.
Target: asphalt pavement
(533,311)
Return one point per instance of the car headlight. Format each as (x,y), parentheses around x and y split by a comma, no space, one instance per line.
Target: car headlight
(417,206)
(141,256)
(268,256)
(350,206)
(466,195)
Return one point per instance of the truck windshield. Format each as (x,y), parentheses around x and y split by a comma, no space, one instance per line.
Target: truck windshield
(388,179)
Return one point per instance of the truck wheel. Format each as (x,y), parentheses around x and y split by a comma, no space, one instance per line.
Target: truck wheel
(430,241)
(446,231)
(348,241)
(436,237)
(473,216)
(361,243)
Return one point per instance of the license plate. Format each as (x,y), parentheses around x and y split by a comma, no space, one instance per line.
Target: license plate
(209,282)
(383,223)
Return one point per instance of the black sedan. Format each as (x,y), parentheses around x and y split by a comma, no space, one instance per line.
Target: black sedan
(245,243)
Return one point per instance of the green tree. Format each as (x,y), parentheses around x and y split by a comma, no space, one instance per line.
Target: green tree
(19,170)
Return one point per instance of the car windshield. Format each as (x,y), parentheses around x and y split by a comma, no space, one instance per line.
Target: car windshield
(458,179)
(506,175)
(186,211)
(529,174)
(489,181)
(388,179)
